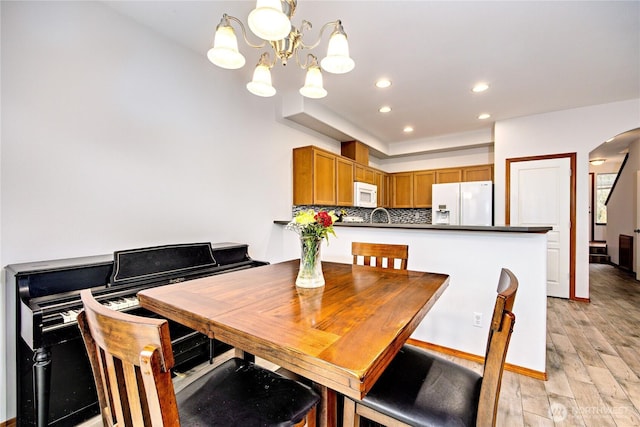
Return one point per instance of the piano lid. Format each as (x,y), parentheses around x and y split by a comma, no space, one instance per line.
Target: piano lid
(42,278)
(168,261)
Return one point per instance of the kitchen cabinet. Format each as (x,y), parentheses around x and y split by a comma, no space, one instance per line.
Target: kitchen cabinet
(383,181)
(444,176)
(314,177)
(356,151)
(321,178)
(422,182)
(364,174)
(402,190)
(344,182)
(477,173)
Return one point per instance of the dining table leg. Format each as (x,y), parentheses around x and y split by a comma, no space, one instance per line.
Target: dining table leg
(328,411)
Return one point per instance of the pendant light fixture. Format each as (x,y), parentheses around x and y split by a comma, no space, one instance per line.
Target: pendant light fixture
(271,21)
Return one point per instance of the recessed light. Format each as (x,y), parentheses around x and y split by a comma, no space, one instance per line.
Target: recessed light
(597,162)
(610,139)
(383,83)
(480,87)
(384,109)
(407,129)
(484,116)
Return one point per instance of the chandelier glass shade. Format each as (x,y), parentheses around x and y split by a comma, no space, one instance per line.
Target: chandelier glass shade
(271,21)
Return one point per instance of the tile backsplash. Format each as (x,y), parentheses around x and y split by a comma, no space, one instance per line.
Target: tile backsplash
(398,216)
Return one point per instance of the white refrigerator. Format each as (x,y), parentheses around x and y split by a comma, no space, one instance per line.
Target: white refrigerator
(462,203)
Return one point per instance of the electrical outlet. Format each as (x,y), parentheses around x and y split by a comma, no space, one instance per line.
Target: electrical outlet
(477,319)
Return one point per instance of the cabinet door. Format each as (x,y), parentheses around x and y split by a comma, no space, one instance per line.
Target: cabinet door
(402,190)
(364,174)
(422,182)
(382,181)
(387,190)
(444,176)
(344,181)
(369,176)
(324,178)
(477,173)
(359,172)
(303,176)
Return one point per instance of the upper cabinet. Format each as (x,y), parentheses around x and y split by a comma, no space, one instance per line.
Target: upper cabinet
(477,173)
(365,174)
(324,178)
(444,176)
(321,178)
(422,182)
(402,190)
(465,174)
(344,182)
(383,181)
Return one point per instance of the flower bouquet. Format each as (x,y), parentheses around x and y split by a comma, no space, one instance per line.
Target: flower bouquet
(312,227)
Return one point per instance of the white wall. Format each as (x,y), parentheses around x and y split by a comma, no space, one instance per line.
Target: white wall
(578,130)
(438,160)
(621,209)
(114,138)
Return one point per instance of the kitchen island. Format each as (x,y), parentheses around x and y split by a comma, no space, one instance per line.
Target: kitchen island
(472,256)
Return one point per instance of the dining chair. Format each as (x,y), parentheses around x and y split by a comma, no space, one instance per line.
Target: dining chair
(421,389)
(380,255)
(131,359)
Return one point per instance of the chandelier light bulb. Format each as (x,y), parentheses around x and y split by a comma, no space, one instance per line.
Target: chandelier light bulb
(337,60)
(313,87)
(224,52)
(261,83)
(268,21)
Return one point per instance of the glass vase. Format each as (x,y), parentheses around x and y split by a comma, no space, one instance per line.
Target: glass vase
(310,273)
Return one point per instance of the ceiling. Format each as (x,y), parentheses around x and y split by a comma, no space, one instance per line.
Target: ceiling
(536,56)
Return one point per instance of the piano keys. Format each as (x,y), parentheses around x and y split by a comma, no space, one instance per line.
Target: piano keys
(54,384)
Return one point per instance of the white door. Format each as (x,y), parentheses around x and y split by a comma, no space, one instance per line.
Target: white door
(540,196)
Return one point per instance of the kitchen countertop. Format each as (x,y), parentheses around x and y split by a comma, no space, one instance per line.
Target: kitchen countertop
(496,228)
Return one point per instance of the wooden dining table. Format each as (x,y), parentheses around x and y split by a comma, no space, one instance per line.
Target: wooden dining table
(340,336)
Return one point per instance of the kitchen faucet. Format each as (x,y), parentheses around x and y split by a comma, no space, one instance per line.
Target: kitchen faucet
(383,210)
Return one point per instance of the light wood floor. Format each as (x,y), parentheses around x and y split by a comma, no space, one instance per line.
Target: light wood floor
(593,361)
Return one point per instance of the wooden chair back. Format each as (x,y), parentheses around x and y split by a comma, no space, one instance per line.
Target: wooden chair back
(131,359)
(497,344)
(383,254)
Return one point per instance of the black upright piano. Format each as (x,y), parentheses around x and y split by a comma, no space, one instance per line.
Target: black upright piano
(54,383)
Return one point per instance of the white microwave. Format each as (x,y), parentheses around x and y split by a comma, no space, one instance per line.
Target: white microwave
(365,195)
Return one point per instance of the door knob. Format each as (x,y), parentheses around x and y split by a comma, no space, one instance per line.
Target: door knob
(637,230)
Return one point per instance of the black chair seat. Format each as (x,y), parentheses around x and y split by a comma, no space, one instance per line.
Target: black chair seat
(241,393)
(420,389)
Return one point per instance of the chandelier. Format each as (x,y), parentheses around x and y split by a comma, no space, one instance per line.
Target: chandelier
(271,21)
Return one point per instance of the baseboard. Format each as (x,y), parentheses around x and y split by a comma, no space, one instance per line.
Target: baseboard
(8,423)
(580,299)
(478,359)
